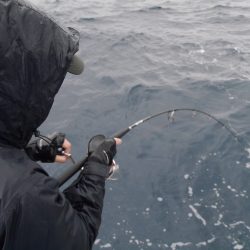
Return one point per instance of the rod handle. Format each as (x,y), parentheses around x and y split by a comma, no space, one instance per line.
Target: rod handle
(71,171)
(121,133)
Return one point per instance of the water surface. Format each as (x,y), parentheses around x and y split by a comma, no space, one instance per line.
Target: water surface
(182,184)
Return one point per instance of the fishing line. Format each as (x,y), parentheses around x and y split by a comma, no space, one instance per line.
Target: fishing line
(75,168)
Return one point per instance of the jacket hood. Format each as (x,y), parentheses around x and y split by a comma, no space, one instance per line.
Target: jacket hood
(35,53)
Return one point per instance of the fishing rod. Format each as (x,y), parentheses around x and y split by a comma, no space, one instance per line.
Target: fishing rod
(79,165)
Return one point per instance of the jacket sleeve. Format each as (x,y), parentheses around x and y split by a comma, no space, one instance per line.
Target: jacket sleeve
(86,196)
(64,220)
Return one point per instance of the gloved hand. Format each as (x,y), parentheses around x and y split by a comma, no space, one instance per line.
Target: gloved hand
(47,148)
(101,152)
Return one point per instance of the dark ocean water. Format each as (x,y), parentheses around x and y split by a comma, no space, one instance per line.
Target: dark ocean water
(182,184)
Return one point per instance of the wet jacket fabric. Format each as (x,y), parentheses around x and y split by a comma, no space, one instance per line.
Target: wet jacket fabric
(35,54)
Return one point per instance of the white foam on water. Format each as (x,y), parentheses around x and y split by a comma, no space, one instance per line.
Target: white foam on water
(203,157)
(160,199)
(205,243)
(197,204)
(238,247)
(108,245)
(248,151)
(243,195)
(186,176)
(247,165)
(146,212)
(197,215)
(233,225)
(232,189)
(97,241)
(218,223)
(133,240)
(179,244)
(128,232)
(190,191)
(237,194)
(211,240)
(216,192)
(200,244)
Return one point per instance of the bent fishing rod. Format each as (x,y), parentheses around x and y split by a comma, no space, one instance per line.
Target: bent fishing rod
(79,165)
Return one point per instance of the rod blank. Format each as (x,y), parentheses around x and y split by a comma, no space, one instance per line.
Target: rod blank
(76,167)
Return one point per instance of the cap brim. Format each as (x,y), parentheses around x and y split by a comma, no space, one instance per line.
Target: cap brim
(76,66)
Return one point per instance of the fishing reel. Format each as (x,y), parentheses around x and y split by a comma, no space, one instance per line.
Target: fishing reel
(46,148)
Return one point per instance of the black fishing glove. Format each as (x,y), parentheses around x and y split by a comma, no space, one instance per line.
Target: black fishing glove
(101,152)
(46,148)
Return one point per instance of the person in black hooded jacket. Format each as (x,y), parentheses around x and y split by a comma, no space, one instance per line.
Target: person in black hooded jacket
(35,55)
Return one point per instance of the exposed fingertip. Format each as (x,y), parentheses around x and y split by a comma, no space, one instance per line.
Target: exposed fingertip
(118,141)
(61,159)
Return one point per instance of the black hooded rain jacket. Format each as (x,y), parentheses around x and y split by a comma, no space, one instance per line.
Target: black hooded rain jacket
(35,54)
